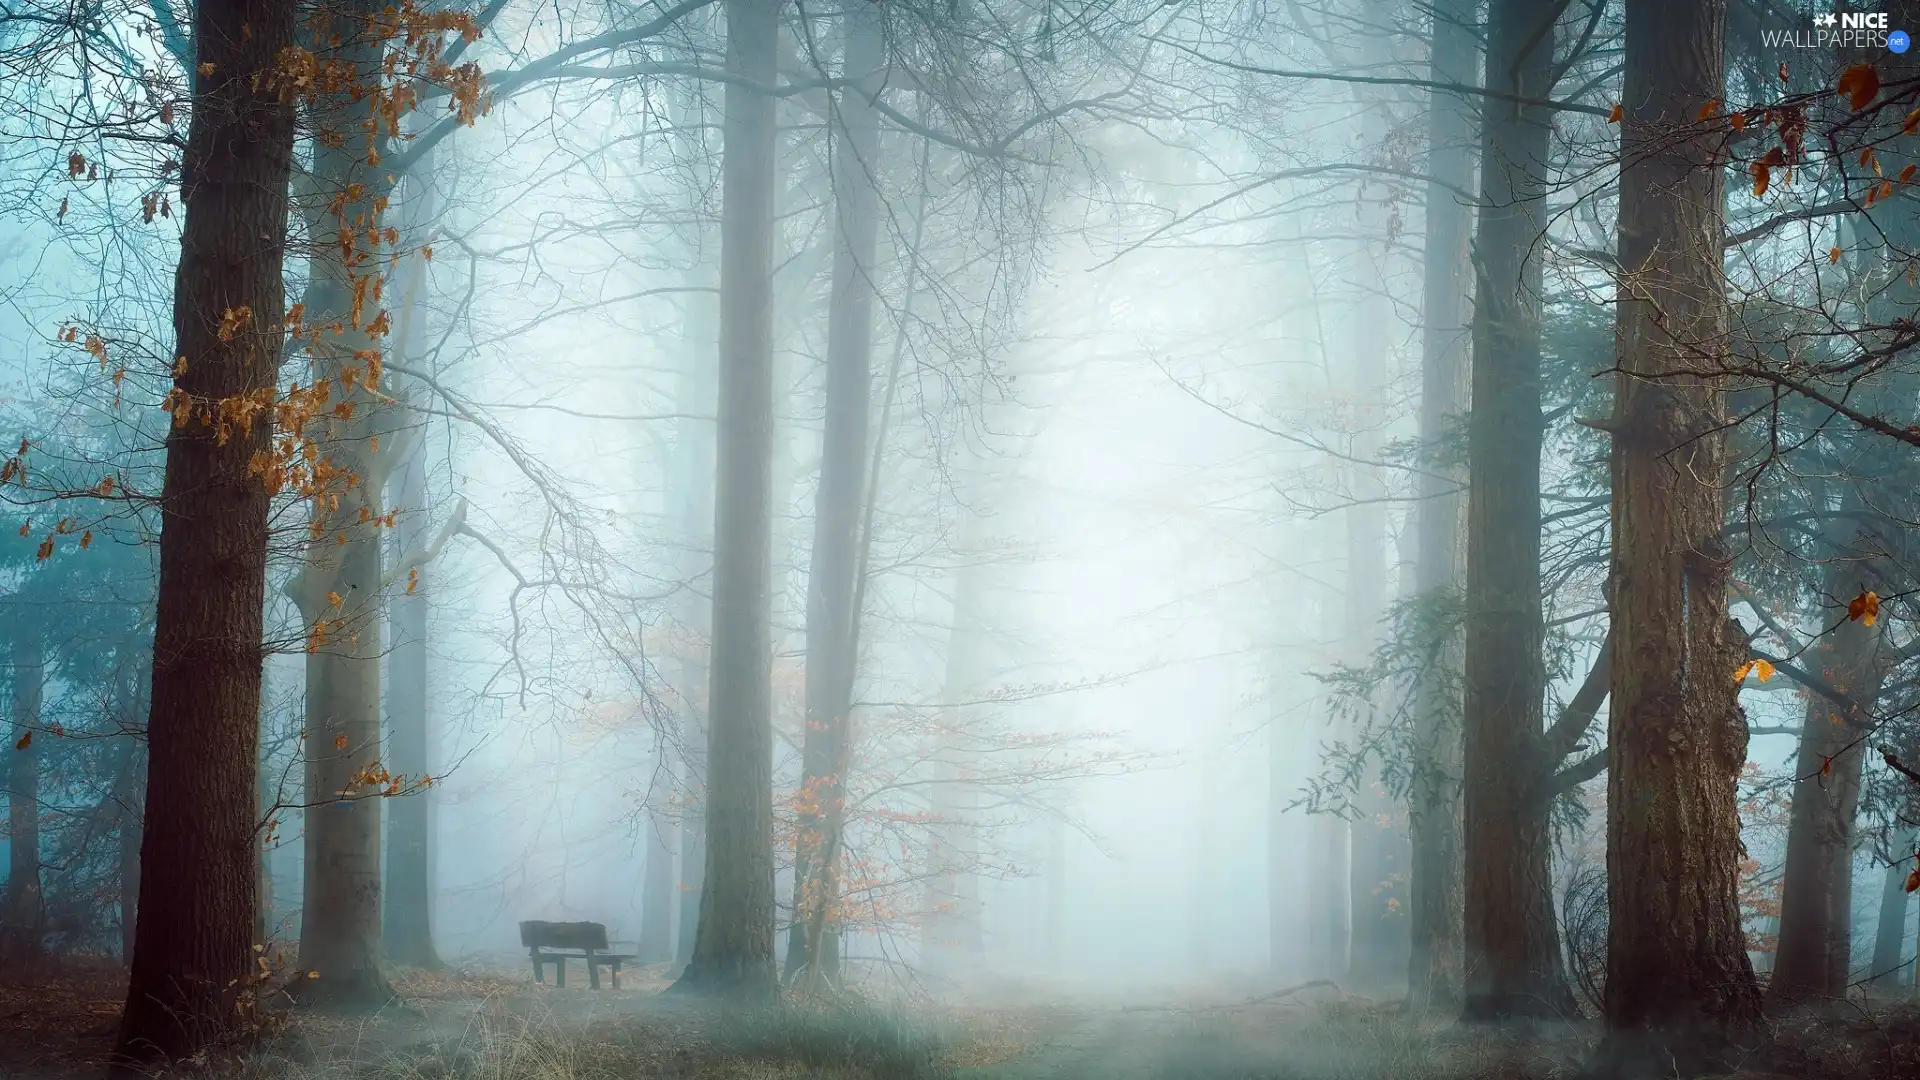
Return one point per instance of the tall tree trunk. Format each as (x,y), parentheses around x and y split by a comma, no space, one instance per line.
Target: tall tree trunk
(952,941)
(827,746)
(699,389)
(406,920)
(24,911)
(733,951)
(1377,957)
(1816,885)
(1283,839)
(1435,899)
(340,590)
(667,931)
(193,954)
(1680,986)
(340,907)
(1889,974)
(406,925)
(1513,965)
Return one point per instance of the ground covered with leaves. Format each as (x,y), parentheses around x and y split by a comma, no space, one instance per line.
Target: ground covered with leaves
(491,1024)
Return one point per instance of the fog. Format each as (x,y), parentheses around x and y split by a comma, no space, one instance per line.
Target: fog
(1208,523)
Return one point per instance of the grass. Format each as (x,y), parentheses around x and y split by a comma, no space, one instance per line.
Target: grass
(477,1028)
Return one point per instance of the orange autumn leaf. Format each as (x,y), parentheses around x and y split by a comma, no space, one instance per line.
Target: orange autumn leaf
(1614,116)
(26,740)
(1709,109)
(1761,669)
(1906,174)
(1858,84)
(86,540)
(1833,256)
(1864,608)
(340,742)
(46,550)
(234,320)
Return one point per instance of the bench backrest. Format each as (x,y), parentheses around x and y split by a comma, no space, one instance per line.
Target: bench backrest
(563,935)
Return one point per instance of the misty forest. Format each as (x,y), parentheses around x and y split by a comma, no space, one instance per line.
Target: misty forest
(936,539)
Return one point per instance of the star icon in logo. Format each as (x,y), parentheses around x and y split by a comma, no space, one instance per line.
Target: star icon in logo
(1826,19)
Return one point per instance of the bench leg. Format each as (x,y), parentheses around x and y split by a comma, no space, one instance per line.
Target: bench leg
(593,974)
(616,974)
(560,966)
(539,969)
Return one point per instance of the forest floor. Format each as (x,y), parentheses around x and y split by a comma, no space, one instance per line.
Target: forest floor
(494,1024)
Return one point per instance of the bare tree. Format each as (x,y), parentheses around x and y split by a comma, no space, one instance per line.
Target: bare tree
(193,956)
(1680,986)
(733,950)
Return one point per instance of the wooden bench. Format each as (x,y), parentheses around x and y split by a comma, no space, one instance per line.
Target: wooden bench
(578,941)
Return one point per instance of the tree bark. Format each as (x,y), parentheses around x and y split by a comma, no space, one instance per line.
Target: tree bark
(1816,889)
(668,932)
(1435,899)
(827,745)
(193,956)
(1376,918)
(406,919)
(733,950)
(1513,964)
(952,940)
(699,390)
(406,925)
(25,912)
(340,588)
(1680,987)
(1889,974)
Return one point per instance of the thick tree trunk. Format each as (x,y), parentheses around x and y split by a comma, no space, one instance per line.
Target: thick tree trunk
(24,919)
(340,907)
(1680,987)
(1377,956)
(1816,895)
(1889,974)
(1513,965)
(406,925)
(340,589)
(699,389)
(193,955)
(827,745)
(1283,839)
(952,942)
(693,839)
(668,931)
(406,920)
(733,951)
(1435,899)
